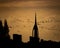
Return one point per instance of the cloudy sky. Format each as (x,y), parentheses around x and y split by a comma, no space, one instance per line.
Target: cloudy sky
(20,16)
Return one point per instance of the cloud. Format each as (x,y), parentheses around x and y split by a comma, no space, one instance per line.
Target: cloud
(6,1)
(49,4)
(32,4)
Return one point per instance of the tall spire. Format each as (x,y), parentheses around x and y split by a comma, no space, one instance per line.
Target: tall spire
(35,29)
(35,19)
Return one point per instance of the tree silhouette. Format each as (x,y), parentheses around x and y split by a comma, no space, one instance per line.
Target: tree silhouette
(6,28)
(1,28)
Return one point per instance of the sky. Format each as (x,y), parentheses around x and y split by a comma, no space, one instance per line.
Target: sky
(20,16)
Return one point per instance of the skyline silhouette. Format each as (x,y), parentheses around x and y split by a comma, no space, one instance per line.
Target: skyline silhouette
(16,42)
(35,28)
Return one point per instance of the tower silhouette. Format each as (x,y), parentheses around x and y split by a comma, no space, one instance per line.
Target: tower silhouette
(35,37)
(35,29)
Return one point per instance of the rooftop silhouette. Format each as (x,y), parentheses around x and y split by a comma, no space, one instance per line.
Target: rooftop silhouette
(16,42)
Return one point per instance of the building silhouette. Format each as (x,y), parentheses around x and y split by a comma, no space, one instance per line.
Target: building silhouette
(16,42)
(35,29)
(35,34)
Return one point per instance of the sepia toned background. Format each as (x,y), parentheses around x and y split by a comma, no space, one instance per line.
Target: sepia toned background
(20,16)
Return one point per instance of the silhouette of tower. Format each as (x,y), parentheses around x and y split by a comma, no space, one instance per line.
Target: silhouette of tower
(35,38)
(35,29)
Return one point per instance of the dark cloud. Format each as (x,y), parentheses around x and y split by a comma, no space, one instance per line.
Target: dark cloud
(6,1)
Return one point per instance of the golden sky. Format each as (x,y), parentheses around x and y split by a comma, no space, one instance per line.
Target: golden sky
(20,16)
